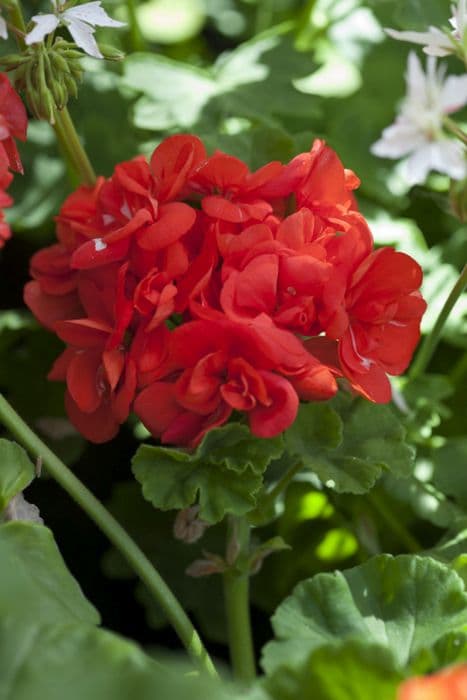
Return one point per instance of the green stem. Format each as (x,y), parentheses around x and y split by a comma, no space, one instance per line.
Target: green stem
(17,20)
(282,484)
(115,533)
(72,148)
(136,38)
(460,368)
(431,341)
(396,526)
(237,605)
(455,129)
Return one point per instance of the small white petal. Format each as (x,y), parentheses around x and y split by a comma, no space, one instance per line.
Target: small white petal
(45,24)
(436,42)
(3,29)
(83,35)
(448,156)
(92,13)
(398,140)
(419,165)
(453,94)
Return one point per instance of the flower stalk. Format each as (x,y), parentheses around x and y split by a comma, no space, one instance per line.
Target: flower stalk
(72,147)
(114,532)
(237,603)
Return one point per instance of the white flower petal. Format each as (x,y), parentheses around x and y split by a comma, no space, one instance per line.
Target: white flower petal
(416,80)
(83,35)
(397,140)
(453,94)
(45,24)
(92,13)
(448,156)
(3,29)
(419,165)
(436,42)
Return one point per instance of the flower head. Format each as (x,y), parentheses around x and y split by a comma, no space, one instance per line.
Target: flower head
(80,22)
(437,42)
(418,129)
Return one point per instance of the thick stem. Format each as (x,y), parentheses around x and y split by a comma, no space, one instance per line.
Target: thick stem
(72,148)
(115,533)
(237,605)
(431,341)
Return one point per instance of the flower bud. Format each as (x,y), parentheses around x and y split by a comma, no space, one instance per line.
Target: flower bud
(47,76)
(111,53)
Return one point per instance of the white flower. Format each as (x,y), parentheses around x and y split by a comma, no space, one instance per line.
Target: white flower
(80,22)
(435,41)
(3,28)
(418,130)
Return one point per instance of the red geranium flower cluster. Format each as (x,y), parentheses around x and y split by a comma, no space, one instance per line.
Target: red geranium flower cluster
(13,124)
(189,288)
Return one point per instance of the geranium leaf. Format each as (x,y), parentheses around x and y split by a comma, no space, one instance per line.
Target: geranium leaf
(16,471)
(35,583)
(224,472)
(50,646)
(372,441)
(78,661)
(353,670)
(449,462)
(404,603)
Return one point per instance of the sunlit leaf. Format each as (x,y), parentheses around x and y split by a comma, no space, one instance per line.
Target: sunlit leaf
(404,603)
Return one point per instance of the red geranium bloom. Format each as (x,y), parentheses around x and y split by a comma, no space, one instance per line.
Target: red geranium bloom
(13,123)
(217,367)
(134,206)
(450,684)
(5,201)
(98,368)
(189,288)
(376,318)
(232,193)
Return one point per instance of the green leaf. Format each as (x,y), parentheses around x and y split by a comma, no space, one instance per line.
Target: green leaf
(411,14)
(224,472)
(252,82)
(353,670)
(404,603)
(35,583)
(16,471)
(76,661)
(449,463)
(372,441)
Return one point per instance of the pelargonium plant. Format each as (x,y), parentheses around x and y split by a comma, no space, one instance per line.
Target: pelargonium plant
(246,326)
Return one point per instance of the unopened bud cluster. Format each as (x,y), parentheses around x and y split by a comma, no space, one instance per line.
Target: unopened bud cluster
(47,76)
